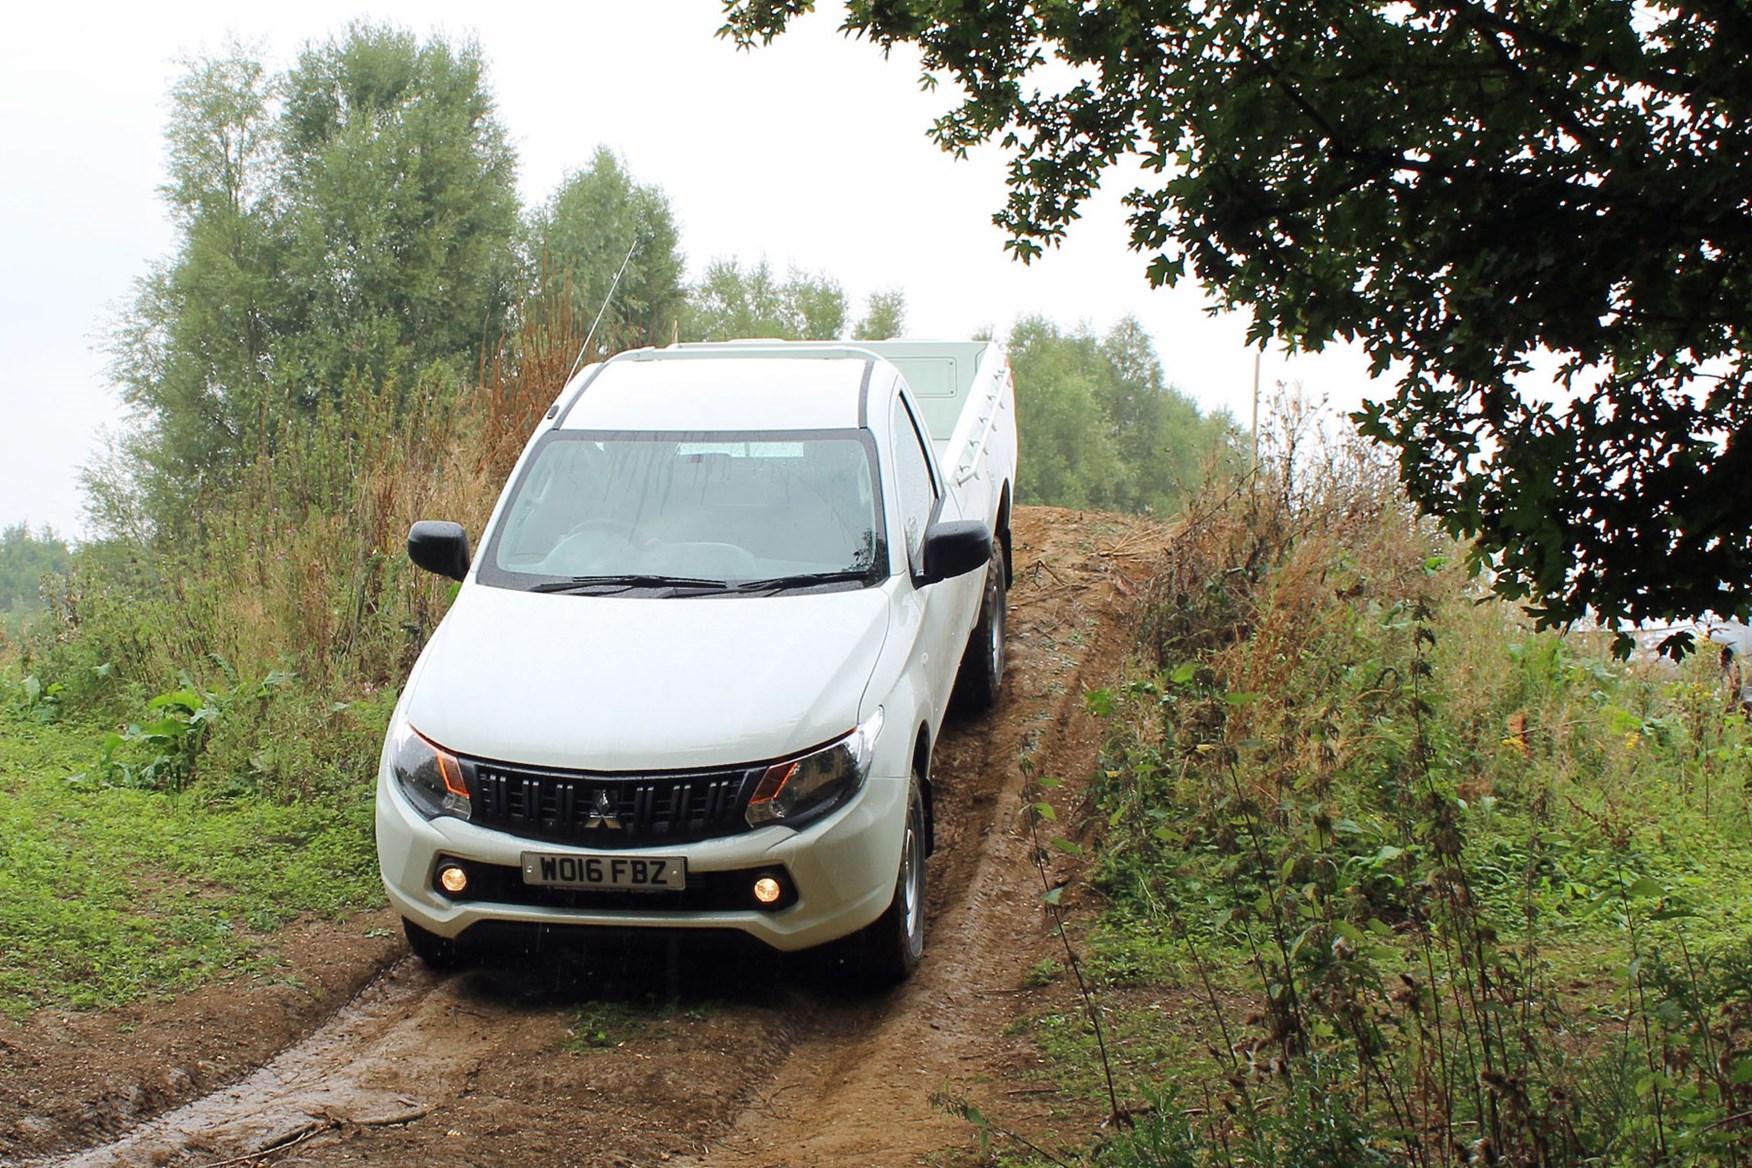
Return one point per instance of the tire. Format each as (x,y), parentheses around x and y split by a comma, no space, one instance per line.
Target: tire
(436,953)
(981,676)
(886,953)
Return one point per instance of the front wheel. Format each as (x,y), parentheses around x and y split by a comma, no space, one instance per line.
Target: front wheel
(982,664)
(887,952)
(435,952)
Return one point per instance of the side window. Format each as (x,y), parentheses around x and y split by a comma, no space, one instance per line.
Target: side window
(912,473)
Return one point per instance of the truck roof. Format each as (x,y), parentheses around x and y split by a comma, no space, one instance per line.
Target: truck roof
(722,388)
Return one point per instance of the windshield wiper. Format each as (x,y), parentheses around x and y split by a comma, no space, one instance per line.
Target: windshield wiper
(801,580)
(584,585)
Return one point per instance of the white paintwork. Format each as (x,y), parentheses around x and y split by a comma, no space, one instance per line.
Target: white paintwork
(697,394)
(609,683)
(622,683)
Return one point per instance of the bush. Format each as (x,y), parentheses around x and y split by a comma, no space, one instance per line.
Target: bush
(1485,888)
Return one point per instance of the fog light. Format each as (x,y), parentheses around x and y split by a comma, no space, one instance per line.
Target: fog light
(767,890)
(452,878)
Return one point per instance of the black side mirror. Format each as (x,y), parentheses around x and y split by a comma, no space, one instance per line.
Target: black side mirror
(439,546)
(954,548)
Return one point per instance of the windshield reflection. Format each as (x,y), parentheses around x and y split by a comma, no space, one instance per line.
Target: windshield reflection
(697,507)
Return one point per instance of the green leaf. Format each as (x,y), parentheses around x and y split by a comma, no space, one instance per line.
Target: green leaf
(1044,810)
(1070,847)
(184,699)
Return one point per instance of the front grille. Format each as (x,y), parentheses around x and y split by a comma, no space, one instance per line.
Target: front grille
(610,811)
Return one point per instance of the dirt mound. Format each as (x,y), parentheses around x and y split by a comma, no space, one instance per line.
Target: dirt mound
(620,1054)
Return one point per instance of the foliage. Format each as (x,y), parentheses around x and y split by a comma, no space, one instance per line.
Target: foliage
(885,317)
(583,235)
(729,303)
(1458,187)
(400,205)
(1104,429)
(192,351)
(25,558)
(351,219)
(1451,890)
(161,753)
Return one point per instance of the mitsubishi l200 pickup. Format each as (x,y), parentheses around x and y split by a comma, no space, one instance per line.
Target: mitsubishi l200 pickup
(696,674)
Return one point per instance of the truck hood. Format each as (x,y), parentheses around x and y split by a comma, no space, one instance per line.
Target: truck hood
(630,684)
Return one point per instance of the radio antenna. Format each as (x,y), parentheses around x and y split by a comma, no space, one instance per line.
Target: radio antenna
(591,335)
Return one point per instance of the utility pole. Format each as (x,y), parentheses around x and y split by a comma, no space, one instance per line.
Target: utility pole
(1256,356)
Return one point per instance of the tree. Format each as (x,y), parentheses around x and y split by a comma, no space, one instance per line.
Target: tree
(192,352)
(729,303)
(1459,185)
(885,317)
(1072,460)
(400,207)
(1104,428)
(580,239)
(344,221)
(25,558)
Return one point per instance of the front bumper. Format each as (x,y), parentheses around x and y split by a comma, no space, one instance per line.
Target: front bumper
(842,869)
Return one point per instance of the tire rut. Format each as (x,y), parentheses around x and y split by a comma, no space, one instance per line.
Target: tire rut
(869,1100)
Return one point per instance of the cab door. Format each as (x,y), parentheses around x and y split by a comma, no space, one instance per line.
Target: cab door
(942,617)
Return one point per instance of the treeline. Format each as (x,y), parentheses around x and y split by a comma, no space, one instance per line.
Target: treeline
(354,221)
(26,558)
(1102,427)
(358,326)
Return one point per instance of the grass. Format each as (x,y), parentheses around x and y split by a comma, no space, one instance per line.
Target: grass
(223,688)
(612,1023)
(108,894)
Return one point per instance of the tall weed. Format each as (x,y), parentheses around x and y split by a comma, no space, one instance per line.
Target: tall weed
(295,568)
(1483,888)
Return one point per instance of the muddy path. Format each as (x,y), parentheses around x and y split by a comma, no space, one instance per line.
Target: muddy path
(628,1055)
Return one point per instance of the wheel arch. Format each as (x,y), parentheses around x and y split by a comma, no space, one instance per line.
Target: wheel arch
(1003,533)
(921,765)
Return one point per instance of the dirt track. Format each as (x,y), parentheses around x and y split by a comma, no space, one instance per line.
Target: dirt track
(627,1057)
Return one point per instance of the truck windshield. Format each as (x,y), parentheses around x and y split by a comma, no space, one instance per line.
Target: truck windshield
(694,508)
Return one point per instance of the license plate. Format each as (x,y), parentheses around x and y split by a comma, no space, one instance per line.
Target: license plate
(666,873)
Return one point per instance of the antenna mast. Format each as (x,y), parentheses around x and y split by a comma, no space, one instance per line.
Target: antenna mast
(591,335)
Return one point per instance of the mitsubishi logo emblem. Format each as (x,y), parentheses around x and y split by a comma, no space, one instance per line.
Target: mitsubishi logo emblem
(602,814)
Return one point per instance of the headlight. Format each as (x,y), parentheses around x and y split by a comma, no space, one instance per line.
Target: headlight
(428,774)
(802,789)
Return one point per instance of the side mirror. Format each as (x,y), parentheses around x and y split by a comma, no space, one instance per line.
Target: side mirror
(954,548)
(439,546)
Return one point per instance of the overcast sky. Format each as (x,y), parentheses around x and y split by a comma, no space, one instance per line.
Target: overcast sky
(811,152)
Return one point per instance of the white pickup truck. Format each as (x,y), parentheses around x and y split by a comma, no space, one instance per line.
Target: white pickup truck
(695,677)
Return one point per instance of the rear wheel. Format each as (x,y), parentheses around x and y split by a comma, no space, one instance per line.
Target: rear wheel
(982,664)
(887,952)
(434,952)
